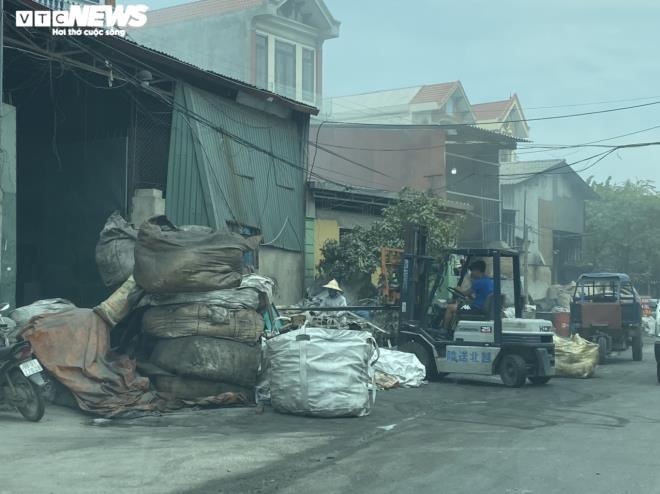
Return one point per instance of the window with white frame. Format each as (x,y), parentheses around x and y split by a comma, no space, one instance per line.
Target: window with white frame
(308,72)
(262,62)
(286,67)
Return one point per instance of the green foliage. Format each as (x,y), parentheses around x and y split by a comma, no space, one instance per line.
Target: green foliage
(356,257)
(623,230)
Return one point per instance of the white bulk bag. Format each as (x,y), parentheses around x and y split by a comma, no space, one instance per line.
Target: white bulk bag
(322,372)
(406,367)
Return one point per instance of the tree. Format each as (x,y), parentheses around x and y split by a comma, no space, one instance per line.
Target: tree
(622,229)
(353,260)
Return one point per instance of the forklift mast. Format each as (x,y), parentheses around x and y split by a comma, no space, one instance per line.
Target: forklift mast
(414,274)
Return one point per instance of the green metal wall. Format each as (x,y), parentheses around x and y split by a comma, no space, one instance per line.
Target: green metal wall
(213,179)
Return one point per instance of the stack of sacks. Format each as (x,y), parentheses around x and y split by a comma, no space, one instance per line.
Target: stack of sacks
(201,312)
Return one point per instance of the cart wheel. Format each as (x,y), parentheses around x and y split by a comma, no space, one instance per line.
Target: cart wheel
(637,347)
(424,356)
(602,350)
(513,371)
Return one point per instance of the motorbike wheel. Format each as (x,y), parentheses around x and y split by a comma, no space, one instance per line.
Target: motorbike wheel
(30,403)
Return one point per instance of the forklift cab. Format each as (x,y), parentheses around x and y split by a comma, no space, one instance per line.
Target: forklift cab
(517,349)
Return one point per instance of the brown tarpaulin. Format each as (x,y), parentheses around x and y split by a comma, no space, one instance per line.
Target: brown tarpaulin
(74,347)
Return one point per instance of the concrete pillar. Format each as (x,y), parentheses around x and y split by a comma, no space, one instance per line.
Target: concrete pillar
(146,203)
(8,206)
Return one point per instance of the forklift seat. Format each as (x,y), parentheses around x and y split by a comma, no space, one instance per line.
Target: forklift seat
(488,313)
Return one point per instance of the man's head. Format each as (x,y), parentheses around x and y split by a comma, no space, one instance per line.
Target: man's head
(332,293)
(478,269)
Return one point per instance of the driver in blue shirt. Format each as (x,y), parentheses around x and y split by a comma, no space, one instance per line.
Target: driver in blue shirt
(482,286)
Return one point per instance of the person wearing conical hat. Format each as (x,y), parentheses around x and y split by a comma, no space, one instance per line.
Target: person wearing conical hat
(334,297)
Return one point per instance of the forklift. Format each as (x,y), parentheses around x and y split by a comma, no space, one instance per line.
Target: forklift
(515,348)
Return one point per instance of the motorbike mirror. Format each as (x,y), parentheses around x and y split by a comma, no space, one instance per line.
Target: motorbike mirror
(4,307)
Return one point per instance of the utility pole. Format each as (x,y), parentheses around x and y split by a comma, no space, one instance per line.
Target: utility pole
(525,247)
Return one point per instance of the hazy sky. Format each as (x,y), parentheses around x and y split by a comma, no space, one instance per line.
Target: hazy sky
(565,54)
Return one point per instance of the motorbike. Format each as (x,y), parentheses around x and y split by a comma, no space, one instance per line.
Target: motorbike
(21,381)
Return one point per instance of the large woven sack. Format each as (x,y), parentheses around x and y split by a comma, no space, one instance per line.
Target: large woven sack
(176,321)
(118,305)
(115,250)
(171,260)
(405,367)
(188,388)
(575,357)
(208,358)
(232,298)
(322,372)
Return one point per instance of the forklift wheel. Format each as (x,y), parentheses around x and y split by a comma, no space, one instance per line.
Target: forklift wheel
(424,356)
(513,370)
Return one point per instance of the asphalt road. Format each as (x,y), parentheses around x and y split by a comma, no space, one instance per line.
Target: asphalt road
(572,436)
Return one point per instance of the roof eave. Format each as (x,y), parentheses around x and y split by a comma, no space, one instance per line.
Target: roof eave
(388,195)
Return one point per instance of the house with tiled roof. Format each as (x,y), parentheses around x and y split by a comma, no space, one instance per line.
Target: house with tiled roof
(505,116)
(273,44)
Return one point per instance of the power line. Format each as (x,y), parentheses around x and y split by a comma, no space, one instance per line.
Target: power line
(536,119)
(246,143)
(586,144)
(527,175)
(349,160)
(368,111)
(538,148)
(223,131)
(567,105)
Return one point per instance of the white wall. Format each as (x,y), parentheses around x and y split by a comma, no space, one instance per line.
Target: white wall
(221,44)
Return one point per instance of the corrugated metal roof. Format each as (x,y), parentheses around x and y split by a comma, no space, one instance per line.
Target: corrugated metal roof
(384,194)
(214,179)
(461,129)
(520,171)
